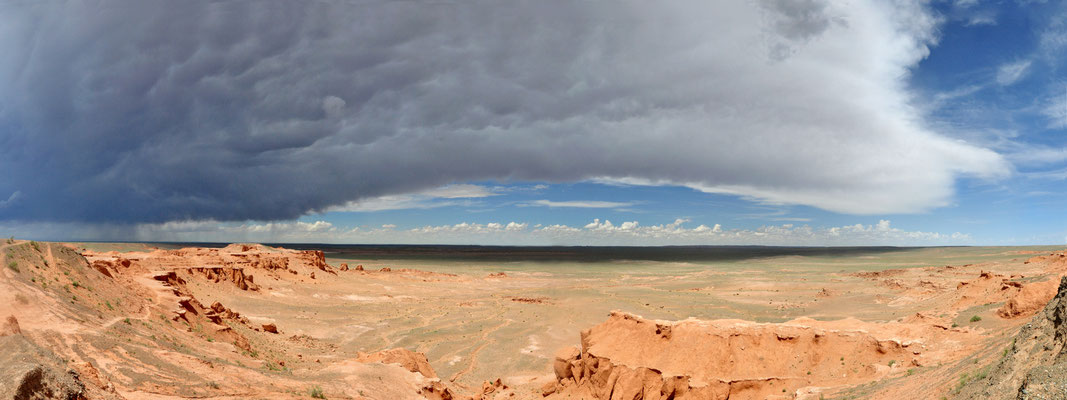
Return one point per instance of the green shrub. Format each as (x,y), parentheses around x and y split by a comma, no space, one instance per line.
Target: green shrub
(975,318)
(891,362)
(316,393)
(35,246)
(14,266)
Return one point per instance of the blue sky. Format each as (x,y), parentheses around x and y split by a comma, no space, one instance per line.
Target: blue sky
(783,122)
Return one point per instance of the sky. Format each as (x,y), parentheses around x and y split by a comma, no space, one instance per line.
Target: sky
(772,122)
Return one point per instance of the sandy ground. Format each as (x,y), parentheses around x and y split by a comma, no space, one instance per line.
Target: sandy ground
(478,322)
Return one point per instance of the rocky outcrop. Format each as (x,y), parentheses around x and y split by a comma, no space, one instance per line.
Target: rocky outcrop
(28,371)
(432,389)
(192,312)
(110,268)
(1033,365)
(634,358)
(236,276)
(410,360)
(1027,299)
(234,263)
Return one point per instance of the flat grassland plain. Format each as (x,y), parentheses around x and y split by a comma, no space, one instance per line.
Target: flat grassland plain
(483,313)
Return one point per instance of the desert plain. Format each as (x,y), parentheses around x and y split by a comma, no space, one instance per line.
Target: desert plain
(159,321)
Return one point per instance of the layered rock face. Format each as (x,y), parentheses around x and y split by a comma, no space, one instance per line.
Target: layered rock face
(629,357)
(234,264)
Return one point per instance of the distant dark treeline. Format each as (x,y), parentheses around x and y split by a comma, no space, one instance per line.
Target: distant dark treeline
(565,253)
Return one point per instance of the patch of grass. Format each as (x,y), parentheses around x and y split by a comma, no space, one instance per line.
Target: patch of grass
(126,321)
(964,379)
(274,366)
(316,393)
(109,307)
(891,363)
(75,284)
(35,246)
(955,325)
(14,266)
(910,372)
(975,318)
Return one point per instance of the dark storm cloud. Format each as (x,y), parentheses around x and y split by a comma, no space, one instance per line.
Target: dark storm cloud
(157,111)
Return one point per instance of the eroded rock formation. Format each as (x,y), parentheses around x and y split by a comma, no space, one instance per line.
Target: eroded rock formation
(634,358)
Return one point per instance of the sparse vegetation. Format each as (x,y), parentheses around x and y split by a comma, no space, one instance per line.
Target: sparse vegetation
(35,246)
(975,318)
(955,325)
(126,321)
(891,363)
(14,266)
(316,392)
(964,379)
(109,307)
(11,240)
(910,372)
(273,366)
(213,385)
